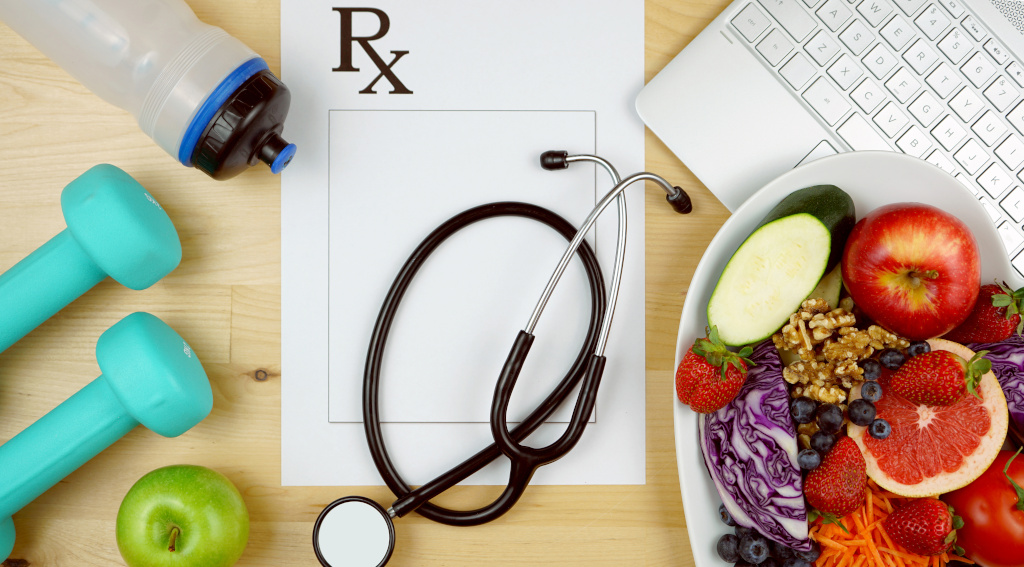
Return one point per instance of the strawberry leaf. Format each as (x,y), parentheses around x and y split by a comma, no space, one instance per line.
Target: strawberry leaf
(977,367)
(1016,487)
(830,518)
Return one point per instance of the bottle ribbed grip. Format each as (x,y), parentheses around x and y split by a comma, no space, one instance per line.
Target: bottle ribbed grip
(196,49)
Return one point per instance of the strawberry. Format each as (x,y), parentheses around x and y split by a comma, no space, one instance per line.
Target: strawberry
(710,375)
(925,526)
(939,377)
(995,317)
(837,487)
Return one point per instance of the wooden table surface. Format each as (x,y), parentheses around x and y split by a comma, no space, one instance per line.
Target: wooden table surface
(224,299)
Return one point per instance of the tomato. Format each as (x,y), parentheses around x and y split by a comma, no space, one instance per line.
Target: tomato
(993,532)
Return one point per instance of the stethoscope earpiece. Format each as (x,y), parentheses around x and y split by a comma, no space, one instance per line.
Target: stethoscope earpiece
(353,532)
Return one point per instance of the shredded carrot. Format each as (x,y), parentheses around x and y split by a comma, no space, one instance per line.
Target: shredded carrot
(866,543)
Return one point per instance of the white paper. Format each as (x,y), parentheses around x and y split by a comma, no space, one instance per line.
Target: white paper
(466,96)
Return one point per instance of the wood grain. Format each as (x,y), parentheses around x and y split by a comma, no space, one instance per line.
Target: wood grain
(225,300)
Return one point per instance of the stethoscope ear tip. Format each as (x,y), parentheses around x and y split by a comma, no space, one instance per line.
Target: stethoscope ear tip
(353,532)
(680,201)
(554,159)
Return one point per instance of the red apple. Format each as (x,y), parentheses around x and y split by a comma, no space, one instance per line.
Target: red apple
(912,268)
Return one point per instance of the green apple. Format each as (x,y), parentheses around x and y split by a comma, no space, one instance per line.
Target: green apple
(182,516)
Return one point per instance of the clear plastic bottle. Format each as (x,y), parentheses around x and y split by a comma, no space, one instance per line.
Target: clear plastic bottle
(201,94)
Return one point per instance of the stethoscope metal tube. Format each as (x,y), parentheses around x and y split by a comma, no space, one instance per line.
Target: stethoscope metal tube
(588,367)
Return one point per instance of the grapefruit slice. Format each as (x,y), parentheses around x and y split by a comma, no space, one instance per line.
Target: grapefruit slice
(933,450)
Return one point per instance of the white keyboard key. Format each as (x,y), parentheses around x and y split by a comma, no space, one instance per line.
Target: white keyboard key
(932,22)
(1016,73)
(978,70)
(857,37)
(834,14)
(898,32)
(974,28)
(1016,117)
(909,7)
(774,47)
(1001,93)
(954,7)
(797,71)
(822,48)
(943,80)
(860,135)
(879,61)
(920,56)
(811,3)
(902,85)
(968,183)
(791,16)
(997,52)
(971,157)
(826,101)
(1010,235)
(938,160)
(1011,152)
(949,133)
(1013,204)
(875,11)
(926,109)
(966,104)
(995,180)
(891,119)
(868,95)
(751,22)
(914,142)
(845,71)
(1018,263)
(993,212)
(989,128)
(956,46)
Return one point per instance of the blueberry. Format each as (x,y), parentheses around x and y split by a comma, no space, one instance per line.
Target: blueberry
(770,562)
(779,551)
(753,548)
(726,516)
(871,367)
(812,554)
(830,418)
(879,428)
(802,409)
(861,412)
(808,459)
(728,548)
(918,347)
(822,442)
(742,531)
(796,562)
(871,391)
(892,358)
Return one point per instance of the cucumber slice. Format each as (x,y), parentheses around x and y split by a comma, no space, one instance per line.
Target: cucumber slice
(768,277)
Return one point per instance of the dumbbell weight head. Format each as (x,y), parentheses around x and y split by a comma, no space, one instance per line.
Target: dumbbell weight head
(6,536)
(120,226)
(154,374)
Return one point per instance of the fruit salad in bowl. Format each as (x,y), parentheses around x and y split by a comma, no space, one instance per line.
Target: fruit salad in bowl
(845,355)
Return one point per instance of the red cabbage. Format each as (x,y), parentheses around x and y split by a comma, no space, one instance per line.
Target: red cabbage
(1008,365)
(750,449)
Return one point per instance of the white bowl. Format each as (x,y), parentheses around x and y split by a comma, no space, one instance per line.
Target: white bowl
(872,179)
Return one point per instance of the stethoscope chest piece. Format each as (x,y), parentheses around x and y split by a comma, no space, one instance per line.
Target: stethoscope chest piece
(353,532)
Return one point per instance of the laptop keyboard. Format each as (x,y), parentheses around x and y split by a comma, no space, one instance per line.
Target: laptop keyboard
(922,77)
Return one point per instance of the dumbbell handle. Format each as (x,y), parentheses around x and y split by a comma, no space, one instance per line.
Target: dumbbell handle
(42,284)
(58,443)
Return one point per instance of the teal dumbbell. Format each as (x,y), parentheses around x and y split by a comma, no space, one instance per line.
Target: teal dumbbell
(150,376)
(114,228)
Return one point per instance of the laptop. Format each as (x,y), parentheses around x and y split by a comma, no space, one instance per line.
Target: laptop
(772,84)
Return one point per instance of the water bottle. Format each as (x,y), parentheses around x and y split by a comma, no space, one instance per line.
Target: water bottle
(201,94)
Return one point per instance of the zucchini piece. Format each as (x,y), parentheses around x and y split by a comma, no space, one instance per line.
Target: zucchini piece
(830,287)
(768,277)
(833,207)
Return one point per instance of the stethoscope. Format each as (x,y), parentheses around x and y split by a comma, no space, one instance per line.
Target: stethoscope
(357,531)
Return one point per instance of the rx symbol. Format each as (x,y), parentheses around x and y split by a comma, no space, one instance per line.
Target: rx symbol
(348,39)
